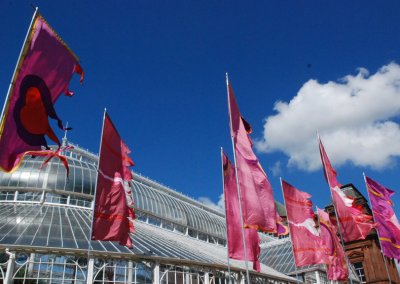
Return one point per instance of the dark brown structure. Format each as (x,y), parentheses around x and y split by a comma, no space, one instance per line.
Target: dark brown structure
(366,255)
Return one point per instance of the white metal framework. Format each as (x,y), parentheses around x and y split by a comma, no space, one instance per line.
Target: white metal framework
(45,225)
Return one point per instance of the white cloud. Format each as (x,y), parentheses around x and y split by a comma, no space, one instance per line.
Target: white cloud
(276,169)
(354,116)
(220,205)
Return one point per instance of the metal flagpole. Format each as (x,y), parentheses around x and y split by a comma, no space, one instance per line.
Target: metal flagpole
(95,190)
(238,188)
(16,70)
(294,257)
(336,215)
(223,190)
(379,239)
(319,227)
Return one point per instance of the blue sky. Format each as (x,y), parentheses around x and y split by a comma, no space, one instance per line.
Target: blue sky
(159,69)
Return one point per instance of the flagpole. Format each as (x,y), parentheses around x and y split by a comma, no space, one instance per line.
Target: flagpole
(95,188)
(291,240)
(319,227)
(226,227)
(334,208)
(377,232)
(238,187)
(17,66)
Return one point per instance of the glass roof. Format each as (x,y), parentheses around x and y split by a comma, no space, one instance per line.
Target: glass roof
(50,226)
(149,196)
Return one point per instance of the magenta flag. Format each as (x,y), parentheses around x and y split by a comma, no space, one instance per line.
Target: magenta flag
(45,68)
(337,267)
(308,247)
(233,222)
(259,211)
(354,223)
(388,225)
(113,210)
(329,171)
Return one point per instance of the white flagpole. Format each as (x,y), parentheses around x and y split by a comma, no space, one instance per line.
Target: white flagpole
(238,187)
(291,239)
(377,232)
(16,70)
(95,188)
(223,190)
(334,208)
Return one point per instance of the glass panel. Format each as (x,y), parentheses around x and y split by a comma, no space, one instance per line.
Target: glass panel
(202,237)
(360,271)
(4,178)
(78,178)
(87,181)
(23,179)
(14,178)
(69,185)
(33,178)
(192,233)
(52,177)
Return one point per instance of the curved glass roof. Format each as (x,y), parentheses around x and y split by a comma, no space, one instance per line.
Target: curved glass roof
(149,196)
(82,176)
(168,207)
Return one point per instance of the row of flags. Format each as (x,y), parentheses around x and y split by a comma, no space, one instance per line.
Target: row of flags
(246,187)
(44,70)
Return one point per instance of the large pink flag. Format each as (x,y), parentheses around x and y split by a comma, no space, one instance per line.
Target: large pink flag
(233,222)
(308,247)
(259,211)
(113,211)
(44,70)
(354,224)
(388,225)
(337,268)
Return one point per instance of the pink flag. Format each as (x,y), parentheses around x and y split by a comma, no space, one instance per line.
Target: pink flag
(329,171)
(233,222)
(307,244)
(259,211)
(337,268)
(44,71)
(113,211)
(388,225)
(354,224)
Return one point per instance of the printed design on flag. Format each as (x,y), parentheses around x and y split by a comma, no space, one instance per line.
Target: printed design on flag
(126,184)
(337,267)
(355,210)
(308,224)
(32,111)
(390,242)
(117,183)
(394,221)
(384,215)
(331,250)
(43,73)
